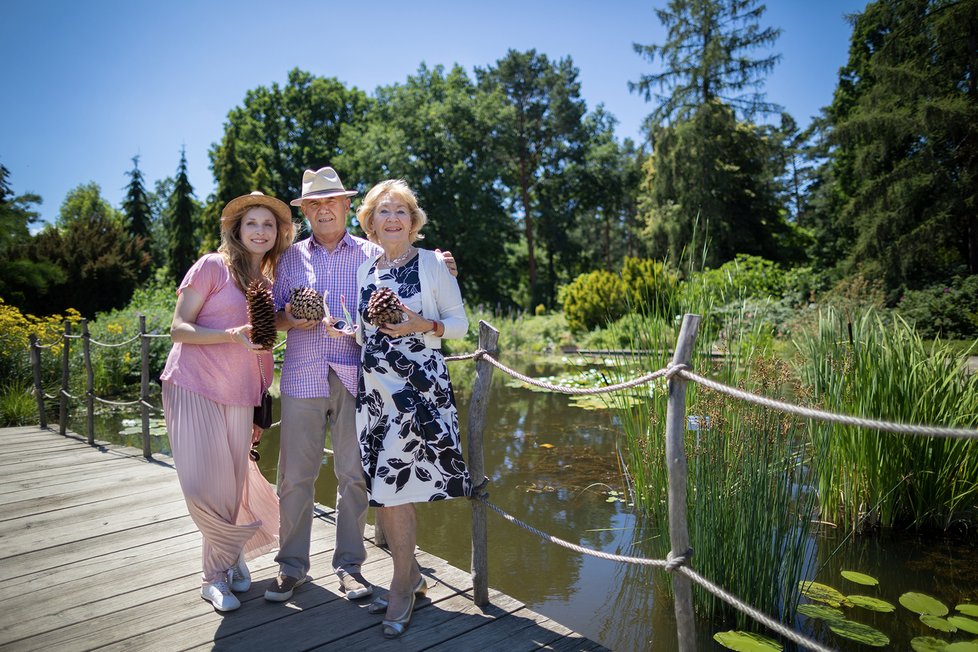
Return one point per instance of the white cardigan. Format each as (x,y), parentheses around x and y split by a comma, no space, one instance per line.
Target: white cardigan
(441,298)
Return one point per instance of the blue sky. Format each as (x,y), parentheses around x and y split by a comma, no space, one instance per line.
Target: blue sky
(88,85)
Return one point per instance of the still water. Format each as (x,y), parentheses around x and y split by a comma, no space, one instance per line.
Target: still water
(555,466)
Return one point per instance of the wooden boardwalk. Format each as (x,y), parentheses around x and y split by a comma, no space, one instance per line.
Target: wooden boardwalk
(97,551)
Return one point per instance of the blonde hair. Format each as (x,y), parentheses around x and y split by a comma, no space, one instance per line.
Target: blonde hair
(397,189)
(236,255)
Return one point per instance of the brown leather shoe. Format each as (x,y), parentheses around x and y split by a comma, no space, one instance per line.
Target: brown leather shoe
(353,586)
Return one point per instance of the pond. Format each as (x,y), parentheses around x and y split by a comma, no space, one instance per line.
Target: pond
(555,466)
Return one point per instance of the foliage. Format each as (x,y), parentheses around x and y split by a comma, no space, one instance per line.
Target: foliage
(431,131)
(518,332)
(650,286)
(717,172)
(538,135)
(17,404)
(279,131)
(594,299)
(135,207)
(903,182)
(745,277)
(945,310)
(705,58)
(100,261)
(181,212)
(746,523)
(20,276)
(868,367)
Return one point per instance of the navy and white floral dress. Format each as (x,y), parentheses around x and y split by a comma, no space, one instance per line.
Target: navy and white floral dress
(406,414)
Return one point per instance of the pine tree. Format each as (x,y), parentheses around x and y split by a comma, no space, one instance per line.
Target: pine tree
(181,213)
(705,58)
(902,190)
(137,213)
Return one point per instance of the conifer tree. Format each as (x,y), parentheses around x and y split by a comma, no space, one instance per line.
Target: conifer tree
(137,213)
(181,212)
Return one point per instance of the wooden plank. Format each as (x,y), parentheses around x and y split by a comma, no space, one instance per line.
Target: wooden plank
(78,493)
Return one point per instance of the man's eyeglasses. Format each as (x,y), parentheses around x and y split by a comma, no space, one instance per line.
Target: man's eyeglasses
(255,455)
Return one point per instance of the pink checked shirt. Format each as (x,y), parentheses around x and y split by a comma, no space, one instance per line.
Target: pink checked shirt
(310,354)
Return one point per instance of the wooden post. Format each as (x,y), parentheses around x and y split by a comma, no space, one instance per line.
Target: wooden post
(489,342)
(42,418)
(144,385)
(89,381)
(63,412)
(682,587)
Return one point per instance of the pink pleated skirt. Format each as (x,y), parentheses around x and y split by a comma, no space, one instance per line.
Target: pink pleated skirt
(232,504)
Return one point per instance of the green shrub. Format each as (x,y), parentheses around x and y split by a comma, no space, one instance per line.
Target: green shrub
(745,277)
(650,286)
(593,299)
(949,311)
(17,404)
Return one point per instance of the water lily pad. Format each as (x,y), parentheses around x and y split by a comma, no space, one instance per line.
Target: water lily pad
(860,633)
(820,611)
(873,604)
(927,644)
(962,646)
(968,609)
(920,603)
(823,593)
(860,578)
(940,624)
(746,642)
(964,624)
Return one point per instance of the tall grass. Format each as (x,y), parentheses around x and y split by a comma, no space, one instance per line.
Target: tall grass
(886,370)
(748,519)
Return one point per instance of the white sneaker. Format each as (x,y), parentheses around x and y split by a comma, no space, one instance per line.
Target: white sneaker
(219,594)
(239,576)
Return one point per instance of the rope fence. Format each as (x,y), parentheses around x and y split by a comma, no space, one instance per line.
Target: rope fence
(678,369)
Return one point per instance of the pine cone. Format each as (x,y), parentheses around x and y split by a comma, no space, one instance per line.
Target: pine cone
(307,304)
(261,314)
(384,307)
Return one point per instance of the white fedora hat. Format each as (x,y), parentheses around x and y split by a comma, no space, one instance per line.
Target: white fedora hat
(320,183)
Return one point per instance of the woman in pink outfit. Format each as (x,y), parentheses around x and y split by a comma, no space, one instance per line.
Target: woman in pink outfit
(213,379)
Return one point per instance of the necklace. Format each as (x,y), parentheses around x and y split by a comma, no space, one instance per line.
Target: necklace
(394,262)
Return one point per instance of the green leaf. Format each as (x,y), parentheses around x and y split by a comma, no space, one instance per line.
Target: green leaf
(962,646)
(820,611)
(860,578)
(964,624)
(873,604)
(859,632)
(968,609)
(939,624)
(823,593)
(927,644)
(920,603)
(746,642)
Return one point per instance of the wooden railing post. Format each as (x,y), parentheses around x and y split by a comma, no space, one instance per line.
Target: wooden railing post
(42,418)
(144,385)
(89,381)
(63,411)
(489,342)
(676,465)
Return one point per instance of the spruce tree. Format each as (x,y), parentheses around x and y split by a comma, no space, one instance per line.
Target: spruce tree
(137,213)
(181,212)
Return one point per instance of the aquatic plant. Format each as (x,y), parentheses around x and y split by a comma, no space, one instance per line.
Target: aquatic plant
(865,478)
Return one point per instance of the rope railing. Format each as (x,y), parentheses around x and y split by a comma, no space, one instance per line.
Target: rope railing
(677,564)
(683,370)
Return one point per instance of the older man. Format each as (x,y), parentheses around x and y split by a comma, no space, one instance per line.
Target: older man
(318,386)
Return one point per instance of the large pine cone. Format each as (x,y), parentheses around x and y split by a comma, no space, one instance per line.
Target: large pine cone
(384,308)
(307,304)
(261,314)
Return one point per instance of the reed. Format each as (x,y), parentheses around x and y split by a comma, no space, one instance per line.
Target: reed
(748,517)
(869,367)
